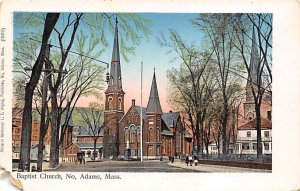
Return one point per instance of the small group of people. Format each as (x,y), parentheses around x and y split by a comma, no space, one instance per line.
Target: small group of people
(171,159)
(80,158)
(190,160)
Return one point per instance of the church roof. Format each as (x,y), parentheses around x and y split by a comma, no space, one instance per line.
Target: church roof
(86,132)
(264,123)
(138,109)
(170,119)
(153,102)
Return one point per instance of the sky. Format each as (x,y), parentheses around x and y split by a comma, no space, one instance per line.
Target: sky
(149,52)
(153,56)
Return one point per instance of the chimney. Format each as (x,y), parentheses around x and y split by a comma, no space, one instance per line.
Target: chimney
(133,102)
(170,111)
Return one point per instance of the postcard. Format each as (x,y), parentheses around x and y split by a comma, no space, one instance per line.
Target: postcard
(149,95)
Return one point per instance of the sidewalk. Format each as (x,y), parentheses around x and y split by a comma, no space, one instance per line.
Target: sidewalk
(216,168)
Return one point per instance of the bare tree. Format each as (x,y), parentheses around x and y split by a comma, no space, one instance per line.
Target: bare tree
(219,31)
(188,81)
(92,117)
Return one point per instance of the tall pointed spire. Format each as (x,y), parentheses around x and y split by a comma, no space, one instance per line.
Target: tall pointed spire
(153,102)
(116,54)
(254,60)
(115,79)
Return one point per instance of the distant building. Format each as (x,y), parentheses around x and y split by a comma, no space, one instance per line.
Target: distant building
(163,133)
(83,142)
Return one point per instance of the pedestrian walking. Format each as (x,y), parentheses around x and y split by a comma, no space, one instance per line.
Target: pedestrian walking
(191,160)
(187,160)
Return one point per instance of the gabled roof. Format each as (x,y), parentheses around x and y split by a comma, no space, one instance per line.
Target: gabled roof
(265,124)
(86,132)
(153,102)
(138,109)
(170,119)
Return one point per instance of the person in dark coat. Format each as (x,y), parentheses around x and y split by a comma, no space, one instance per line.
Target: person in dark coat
(187,160)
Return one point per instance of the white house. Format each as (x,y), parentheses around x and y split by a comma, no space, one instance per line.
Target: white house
(247,137)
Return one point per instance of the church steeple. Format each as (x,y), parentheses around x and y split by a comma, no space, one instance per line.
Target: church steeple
(115,79)
(254,61)
(115,53)
(153,102)
(114,102)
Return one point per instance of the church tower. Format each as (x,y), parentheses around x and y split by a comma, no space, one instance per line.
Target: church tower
(249,106)
(114,102)
(153,132)
(253,80)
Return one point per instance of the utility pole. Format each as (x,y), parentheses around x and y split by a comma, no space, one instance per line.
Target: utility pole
(141,128)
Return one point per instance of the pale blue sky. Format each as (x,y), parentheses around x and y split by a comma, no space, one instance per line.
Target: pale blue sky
(148,51)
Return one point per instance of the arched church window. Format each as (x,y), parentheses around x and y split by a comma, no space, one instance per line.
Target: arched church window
(120,103)
(150,134)
(157,135)
(110,103)
(138,133)
(111,80)
(126,135)
(132,133)
(119,82)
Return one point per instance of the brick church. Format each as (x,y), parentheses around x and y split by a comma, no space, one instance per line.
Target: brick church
(163,134)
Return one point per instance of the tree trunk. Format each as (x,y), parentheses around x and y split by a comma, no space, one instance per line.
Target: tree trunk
(51,19)
(54,131)
(258,130)
(43,127)
(95,144)
(224,129)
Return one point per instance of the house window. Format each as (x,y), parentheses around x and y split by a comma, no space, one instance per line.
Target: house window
(254,146)
(266,146)
(267,134)
(88,153)
(245,146)
(269,115)
(248,133)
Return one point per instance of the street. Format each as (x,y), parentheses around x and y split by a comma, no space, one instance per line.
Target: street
(121,166)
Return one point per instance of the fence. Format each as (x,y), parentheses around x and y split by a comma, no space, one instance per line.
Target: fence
(266,158)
